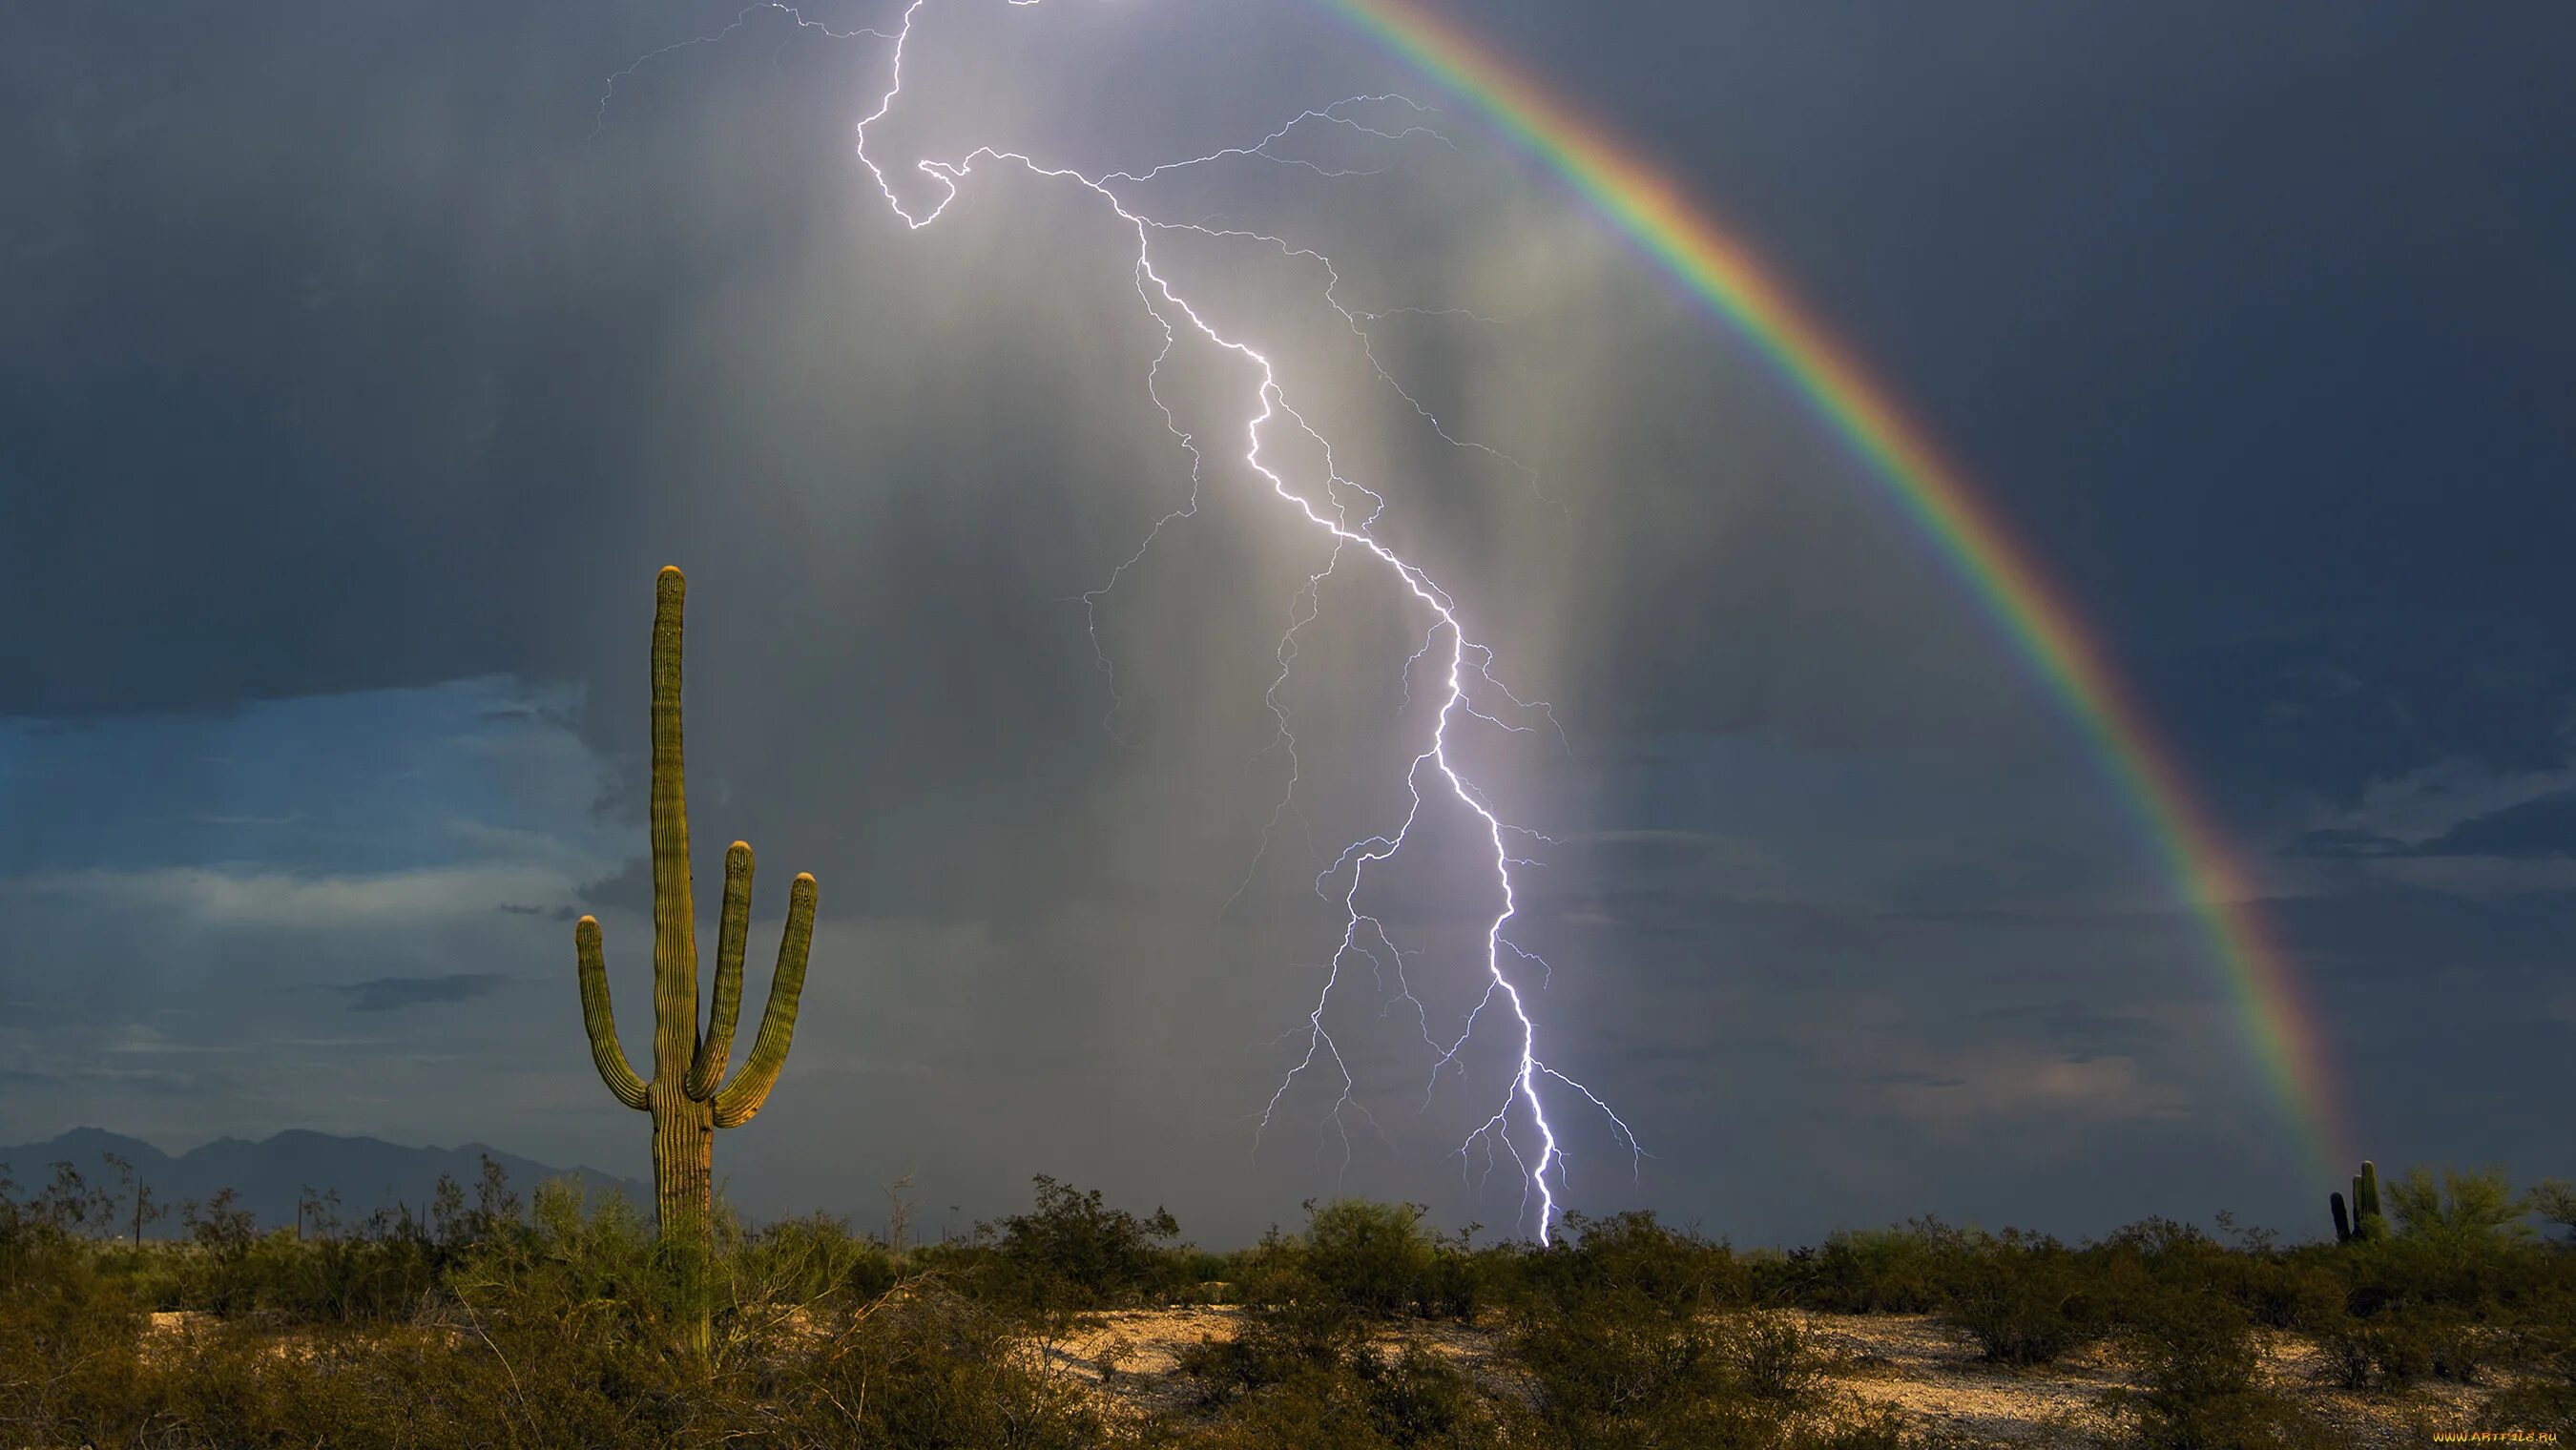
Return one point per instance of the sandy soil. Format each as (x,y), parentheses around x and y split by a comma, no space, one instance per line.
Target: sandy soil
(1909,1362)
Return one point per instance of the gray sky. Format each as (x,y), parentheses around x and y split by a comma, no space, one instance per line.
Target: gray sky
(362,365)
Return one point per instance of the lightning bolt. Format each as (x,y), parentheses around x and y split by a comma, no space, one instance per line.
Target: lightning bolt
(1343,513)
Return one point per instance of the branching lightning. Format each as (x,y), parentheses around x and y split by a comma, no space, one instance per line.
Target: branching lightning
(1344,513)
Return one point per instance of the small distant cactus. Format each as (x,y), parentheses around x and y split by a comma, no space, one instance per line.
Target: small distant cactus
(2365,1221)
(684,1095)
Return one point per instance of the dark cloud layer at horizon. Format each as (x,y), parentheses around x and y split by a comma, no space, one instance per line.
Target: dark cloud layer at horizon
(355,389)
(392,994)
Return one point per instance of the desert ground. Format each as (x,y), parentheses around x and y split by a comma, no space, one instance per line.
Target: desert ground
(1910,1362)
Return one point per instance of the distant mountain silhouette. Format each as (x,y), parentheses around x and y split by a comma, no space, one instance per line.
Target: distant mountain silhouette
(270,1176)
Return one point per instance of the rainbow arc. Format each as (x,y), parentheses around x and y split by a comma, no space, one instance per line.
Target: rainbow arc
(1679,234)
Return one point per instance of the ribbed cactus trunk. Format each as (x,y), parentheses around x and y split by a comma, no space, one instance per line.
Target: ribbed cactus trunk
(683,1096)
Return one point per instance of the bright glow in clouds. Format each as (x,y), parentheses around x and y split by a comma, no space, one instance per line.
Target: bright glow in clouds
(1344,511)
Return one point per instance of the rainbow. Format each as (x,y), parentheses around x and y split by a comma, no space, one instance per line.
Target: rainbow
(2030,609)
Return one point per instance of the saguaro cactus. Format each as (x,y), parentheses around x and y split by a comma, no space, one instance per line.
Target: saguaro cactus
(2365,1221)
(684,1095)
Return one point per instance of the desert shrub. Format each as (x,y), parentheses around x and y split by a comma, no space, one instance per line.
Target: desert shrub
(1373,1257)
(1414,1397)
(1370,1399)
(1291,1328)
(1261,1354)
(2553,1202)
(2402,1345)
(2026,1301)
(375,1271)
(2459,1290)
(2351,1355)
(2198,1390)
(2542,1350)
(376,1276)
(2462,1208)
(2142,1265)
(558,1335)
(67,1351)
(802,1263)
(1636,1335)
(1303,1367)
(2289,1293)
(1075,1252)
(1907,1270)
(2459,1245)
(1458,1280)
(1633,1258)
(580,1270)
(505,1382)
(924,1367)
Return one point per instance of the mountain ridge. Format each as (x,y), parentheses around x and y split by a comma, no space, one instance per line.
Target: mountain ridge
(271,1175)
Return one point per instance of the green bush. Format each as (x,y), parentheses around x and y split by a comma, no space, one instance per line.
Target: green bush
(1373,1257)
(1410,1399)
(1908,1270)
(2198,1389)
(2400,1346)
(2542,1350)
(2467,1209)
(1638,1335)
(802,1263)
(2297,1294)
(2026,1301)
(1074,1252)
(1458,1281)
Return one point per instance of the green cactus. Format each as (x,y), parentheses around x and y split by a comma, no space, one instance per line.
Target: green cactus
(2365,1222)
(684,1095)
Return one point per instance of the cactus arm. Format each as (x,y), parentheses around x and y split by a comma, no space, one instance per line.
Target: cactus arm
(743,1097)
(675,940)
(597,1019)
(731,929)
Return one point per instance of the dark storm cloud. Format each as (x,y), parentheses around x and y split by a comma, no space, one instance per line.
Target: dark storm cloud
(2334,708)
(2086,1031)
(282,331)
(392,994)
(2338,842)
(1918,1079)
(2539,829)
(2535,829)
(2320,504)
